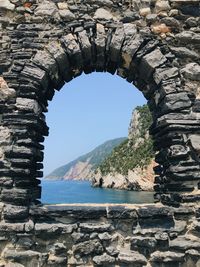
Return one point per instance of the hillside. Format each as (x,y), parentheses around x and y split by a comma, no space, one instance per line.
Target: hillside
(130,165)
(83,167)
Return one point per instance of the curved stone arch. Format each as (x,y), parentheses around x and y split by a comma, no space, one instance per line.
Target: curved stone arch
(134,47)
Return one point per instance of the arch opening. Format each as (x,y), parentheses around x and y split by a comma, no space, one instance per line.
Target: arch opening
(87,119)
(133,56)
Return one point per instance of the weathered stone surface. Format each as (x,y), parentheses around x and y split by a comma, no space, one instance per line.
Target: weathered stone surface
(103,259)
(54,228)
(131,256)
(168,256)
(46,8)
(66,15)
(163,74)
(103,14)
(6,93)
(15,212)
(11,264)
(150,62)
(121,212)
(183,243)
(153,45)
(184,52)
(176,101)
(91,227)
(162,6)
(6,4)
(26,104)
(192,71)
(88,247)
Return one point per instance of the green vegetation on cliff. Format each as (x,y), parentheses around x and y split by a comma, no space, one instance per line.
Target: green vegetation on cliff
(95,157)
(136,151)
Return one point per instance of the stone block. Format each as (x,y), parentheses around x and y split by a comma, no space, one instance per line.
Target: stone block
(46,8)
(116,44)
(6,4)
(150,62)
(15,213)
(172,102)
(103,259)
(103,14)
(130,257)
(120,212)
(87,248)
(167,257)
(95,227)
(191,71)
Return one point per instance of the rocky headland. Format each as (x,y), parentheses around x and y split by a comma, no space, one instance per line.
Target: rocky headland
(130,165)
(122,163)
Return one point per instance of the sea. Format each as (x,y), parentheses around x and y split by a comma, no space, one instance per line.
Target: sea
(69,191)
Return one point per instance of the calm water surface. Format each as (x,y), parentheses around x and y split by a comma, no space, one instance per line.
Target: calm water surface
(56,192)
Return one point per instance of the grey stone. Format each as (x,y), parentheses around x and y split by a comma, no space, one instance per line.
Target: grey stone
(113,251)
(116,44)
(131,256)
(103,259)
(162,5)
(172,22)
(10,254)
(167,256)
(46,8)
(91,227)
(150,62)
(6,4)
(105,236)
(46,61)
(15,212)
(35,73)
(143,242)
(188,36)
(120,212)
(88,247)
(103,3)
(25,243)
(57,261)
(58,249)
(192,71)
(184,52)
(6,93)
(163,74)
(103,14)
(61,58)
(176,101)
(57,228)
(13,264)
(67,15)
(183,243)
(11,227)
(26,104)
(73,50)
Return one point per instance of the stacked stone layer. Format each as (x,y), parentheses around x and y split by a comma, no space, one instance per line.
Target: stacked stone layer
(152,44)
(140,235)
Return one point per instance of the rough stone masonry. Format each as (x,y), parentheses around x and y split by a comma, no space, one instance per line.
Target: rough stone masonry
(155,45)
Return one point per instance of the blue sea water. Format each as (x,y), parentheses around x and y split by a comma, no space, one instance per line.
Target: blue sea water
(57,192)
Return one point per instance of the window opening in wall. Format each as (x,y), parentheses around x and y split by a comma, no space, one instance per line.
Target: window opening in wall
(99,149)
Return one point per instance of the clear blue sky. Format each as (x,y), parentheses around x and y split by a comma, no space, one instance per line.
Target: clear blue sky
(86,112)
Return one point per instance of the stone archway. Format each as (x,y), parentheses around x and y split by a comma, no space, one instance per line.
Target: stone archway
(153,45)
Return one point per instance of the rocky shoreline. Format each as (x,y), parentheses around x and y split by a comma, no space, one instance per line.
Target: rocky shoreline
(137,180)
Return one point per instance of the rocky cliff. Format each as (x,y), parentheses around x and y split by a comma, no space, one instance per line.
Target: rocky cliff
(130,165)
(83,167)
(122,163)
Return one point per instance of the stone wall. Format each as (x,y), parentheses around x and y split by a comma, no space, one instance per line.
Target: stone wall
(152,44)
(110,236)
(155,46)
